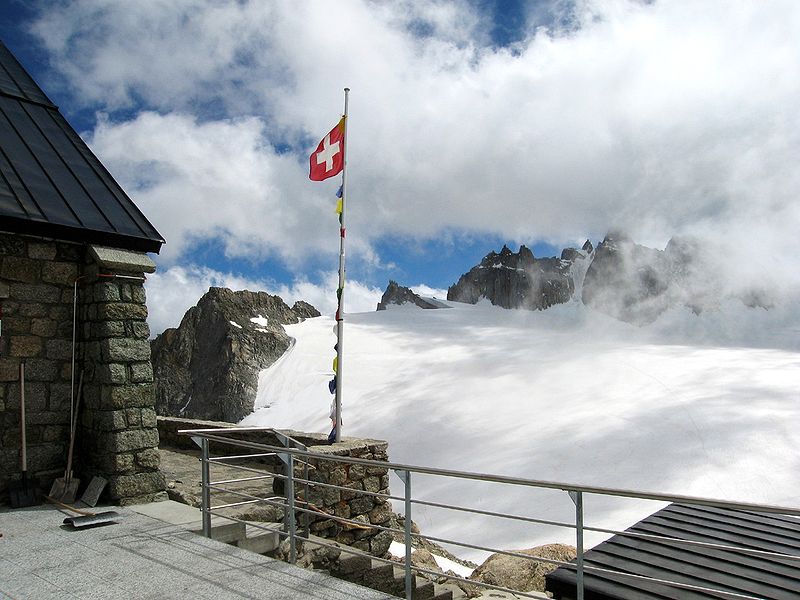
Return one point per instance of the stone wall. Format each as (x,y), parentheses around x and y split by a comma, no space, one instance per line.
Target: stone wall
(347,504)
(117,436)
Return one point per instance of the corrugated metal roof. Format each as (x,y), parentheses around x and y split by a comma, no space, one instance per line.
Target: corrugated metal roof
(51,184)
(731,571)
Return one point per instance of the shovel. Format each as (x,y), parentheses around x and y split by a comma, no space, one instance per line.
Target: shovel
(65,488)
(23,492)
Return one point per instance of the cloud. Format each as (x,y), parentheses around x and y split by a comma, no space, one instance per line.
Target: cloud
(173,291)
(659,118)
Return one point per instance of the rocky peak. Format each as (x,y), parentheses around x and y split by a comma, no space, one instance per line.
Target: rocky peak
(399,295)
(515,280)
(207,367)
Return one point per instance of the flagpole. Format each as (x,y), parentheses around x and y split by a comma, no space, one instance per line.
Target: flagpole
(340,311)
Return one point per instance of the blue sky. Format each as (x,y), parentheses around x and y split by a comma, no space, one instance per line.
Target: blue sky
(472,124)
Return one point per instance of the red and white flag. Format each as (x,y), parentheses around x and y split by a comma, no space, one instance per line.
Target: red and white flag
(328,159)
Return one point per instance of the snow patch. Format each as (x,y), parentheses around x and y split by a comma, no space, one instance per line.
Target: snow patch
(235,324)
(260,320)
(445,564)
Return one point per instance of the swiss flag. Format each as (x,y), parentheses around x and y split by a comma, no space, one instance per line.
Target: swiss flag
(328,159)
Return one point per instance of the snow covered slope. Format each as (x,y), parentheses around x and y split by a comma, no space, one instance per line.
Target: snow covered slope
(703,405)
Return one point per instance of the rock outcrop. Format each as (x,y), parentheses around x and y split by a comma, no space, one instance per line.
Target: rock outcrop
(519,573)
(519,280)
(399,295)
(207,368)
(636,284)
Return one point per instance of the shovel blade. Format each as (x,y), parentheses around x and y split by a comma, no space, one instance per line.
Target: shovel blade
(65,490)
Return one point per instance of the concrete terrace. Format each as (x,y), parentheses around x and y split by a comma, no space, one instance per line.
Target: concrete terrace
(145,555)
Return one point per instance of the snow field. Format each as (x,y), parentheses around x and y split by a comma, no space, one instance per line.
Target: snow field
(683,406)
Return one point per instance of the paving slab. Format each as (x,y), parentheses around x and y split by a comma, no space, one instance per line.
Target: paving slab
(143,556)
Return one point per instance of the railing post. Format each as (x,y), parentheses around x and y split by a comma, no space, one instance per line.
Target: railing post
(290,502)
(205,476)
(405,476)
(577,498)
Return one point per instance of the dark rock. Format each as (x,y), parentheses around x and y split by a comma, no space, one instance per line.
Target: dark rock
(627,281)
(636,284)
(397,294)
(516,280)
(208,367)
(587,247)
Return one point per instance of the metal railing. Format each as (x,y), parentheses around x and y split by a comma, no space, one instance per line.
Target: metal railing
(294,452)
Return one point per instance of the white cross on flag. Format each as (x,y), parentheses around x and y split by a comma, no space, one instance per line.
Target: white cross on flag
(328,159)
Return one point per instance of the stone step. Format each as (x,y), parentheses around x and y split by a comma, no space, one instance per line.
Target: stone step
(259,540)
(229,532)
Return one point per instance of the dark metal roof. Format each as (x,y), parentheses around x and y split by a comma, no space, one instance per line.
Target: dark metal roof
(737,572)
(51,184)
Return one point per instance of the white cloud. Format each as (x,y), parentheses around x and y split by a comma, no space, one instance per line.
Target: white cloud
(660,118)
(173,291)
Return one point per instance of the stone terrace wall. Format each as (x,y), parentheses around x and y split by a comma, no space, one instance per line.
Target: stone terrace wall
(117,436)
(367,510)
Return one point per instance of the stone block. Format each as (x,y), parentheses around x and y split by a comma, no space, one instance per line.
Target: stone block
(62,273)
(9,369)
(142,372)
(138,329)
(41,251)
(356,472)
(11,244)
(127,396)
(115,373)
(106,291)
(108,329)
(125,350)
(55,433)
(337,476)
(109,420)
(59,395)
(149,418)
(32,309)
(134,417)
(59,349)
(25,346)
(17,268)
(139,484)
(355,486)
(17,325)
(123,261)
(36,292)
(129,440)
(372,484)
(148,459)
(121,311)
(125,292)
(47,417)
(35,397)
(380,514)
(138,294)
(41,369)
(69,252)
(361,505)
(43,327)
(116,463)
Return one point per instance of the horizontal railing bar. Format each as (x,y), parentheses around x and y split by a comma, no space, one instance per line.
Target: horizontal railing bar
(604,491)
(488,513)
(256,478)
(560,563)
(243,503)
(265,499)
(221,458)
(226,430)
(683,542)
(243,468)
